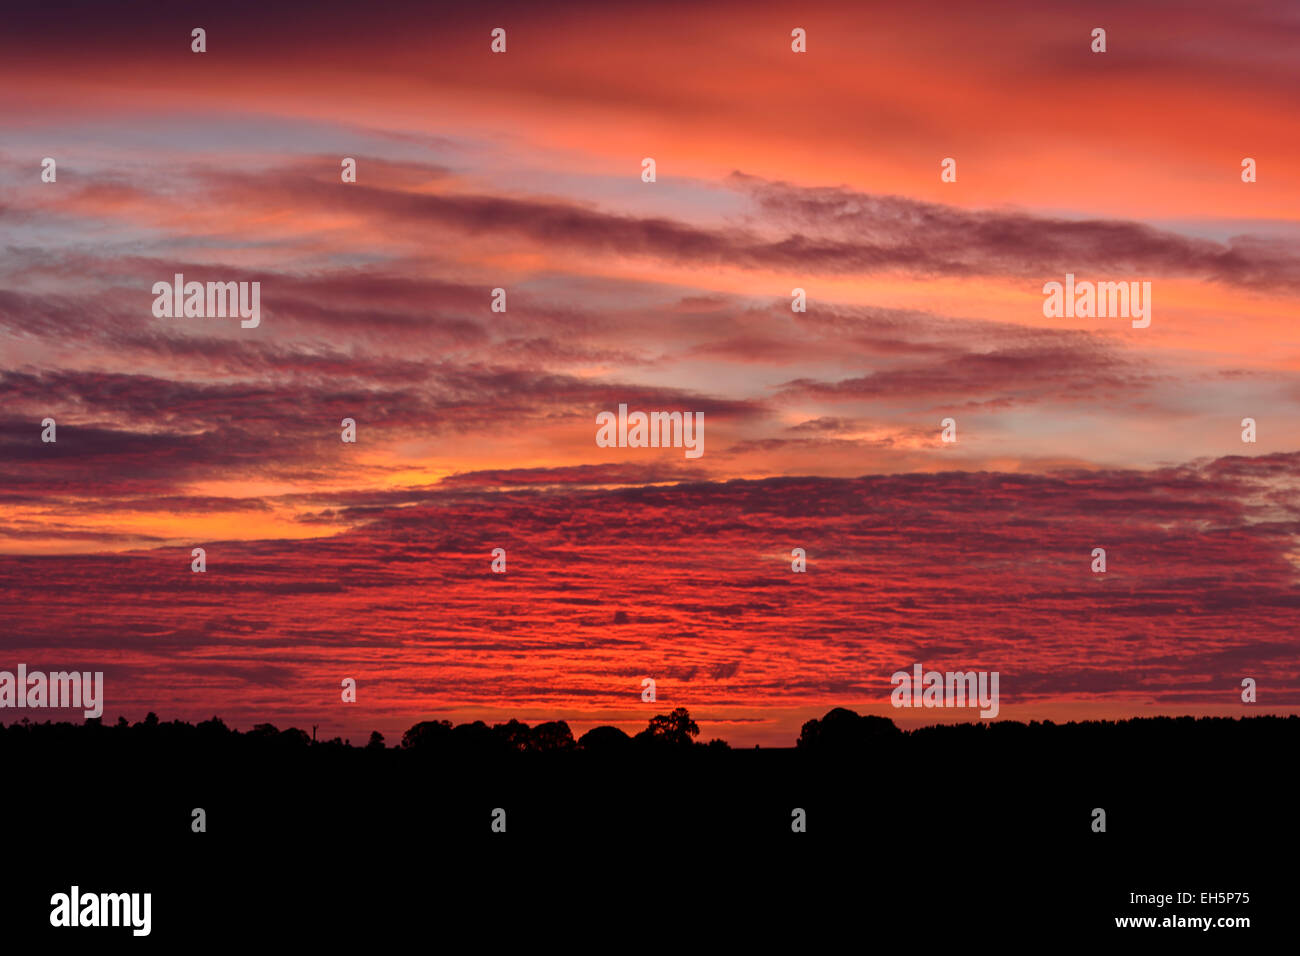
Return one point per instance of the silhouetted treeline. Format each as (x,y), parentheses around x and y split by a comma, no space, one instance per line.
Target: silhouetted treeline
(673,730)
(994,805)
(840,731)
(845,730)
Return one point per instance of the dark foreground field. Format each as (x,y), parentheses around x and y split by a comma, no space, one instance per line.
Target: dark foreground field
(965,836)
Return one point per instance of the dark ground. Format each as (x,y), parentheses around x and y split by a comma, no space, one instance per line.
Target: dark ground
(960,839)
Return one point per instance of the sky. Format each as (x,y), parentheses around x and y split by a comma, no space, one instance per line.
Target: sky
(774,170)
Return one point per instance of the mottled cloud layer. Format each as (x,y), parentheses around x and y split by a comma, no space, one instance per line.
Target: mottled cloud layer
(476,428)
(691,584)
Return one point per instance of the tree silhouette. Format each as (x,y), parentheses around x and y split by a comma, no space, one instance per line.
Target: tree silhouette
(604,740)
(843,729)
(675,729)
(428,734)
(514,735)
(295,737)
(551,736)
(475,738)
(216,727)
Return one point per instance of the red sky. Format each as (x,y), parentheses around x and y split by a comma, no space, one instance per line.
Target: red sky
(476,429)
